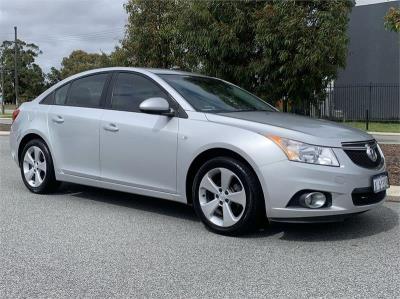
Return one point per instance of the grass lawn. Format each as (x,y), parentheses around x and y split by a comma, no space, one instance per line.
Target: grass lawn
(376,126)
(9,106)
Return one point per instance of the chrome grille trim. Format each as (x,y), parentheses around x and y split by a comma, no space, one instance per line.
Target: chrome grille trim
(357,152)
(359,145)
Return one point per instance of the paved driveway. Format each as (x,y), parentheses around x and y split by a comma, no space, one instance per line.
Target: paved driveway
(87,242)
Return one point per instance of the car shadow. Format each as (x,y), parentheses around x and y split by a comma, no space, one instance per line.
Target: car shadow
(132,201)
(373,222)
(359,226)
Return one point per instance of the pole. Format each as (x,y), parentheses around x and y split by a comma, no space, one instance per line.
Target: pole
(369,106)
(2,85)
(16,65)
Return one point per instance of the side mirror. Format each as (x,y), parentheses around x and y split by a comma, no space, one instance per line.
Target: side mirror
(156,106)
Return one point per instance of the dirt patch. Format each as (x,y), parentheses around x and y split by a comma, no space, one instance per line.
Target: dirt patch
(392,156)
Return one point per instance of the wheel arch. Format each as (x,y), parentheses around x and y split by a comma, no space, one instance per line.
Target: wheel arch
(206,155)
(27,138)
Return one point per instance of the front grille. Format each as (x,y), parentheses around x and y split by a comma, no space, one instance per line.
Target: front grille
(366,196)
(358,153)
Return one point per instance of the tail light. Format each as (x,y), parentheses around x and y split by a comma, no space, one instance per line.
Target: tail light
(15,115)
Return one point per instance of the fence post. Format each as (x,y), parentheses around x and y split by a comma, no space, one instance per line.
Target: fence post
(367,119)
(369,105)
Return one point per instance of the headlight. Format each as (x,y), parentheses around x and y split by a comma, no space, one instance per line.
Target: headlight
(306,153)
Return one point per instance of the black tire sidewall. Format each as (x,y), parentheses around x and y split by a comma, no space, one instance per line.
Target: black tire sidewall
(49,180)
(250,184)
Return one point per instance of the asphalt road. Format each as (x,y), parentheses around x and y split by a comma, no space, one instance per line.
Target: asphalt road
(87,242)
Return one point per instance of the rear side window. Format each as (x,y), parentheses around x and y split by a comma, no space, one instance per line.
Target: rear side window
(86,92)
(48,100)
(131,89)
(60,95)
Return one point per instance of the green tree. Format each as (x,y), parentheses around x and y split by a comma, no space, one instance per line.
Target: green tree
(278,49)
(79,61)
(392,19)
(119,57)
(30,75)
(153,35)
(53,77)
(221,35)
(303,44)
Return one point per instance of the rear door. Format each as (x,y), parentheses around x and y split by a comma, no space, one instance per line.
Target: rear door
(138,149)
(74,125)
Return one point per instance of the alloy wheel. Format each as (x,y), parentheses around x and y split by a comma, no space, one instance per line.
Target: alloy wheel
(222,197)
(34,166)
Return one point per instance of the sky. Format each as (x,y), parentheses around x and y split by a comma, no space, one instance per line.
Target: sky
(60,26)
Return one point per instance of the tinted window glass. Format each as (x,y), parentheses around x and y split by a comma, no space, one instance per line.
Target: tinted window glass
(86,92)
(48,100)
(131,89)
(60,95)
(213,95)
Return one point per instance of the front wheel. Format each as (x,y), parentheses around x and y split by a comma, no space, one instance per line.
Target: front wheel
(37,168)
(227,196)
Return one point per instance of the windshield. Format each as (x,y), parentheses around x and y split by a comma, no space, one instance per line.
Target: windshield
(212,95)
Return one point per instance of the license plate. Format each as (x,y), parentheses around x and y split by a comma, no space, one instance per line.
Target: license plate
(380,182)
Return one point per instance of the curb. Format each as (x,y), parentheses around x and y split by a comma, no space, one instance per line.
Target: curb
(384,133)
(4,133)
(393,191)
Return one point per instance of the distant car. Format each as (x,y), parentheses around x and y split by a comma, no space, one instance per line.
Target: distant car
(197,140)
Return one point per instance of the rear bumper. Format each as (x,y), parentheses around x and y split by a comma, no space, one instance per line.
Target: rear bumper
(282,180)
(14,145)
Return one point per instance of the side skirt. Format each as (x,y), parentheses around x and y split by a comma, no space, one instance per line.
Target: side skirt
(119,187)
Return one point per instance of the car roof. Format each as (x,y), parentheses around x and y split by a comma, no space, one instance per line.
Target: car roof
(168,72)
(155,71)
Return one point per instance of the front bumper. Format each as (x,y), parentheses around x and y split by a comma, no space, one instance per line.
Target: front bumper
(283,179)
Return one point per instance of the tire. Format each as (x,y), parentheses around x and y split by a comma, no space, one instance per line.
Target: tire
(234,214)
(38,177)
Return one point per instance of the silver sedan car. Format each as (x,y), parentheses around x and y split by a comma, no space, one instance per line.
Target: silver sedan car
(196,140)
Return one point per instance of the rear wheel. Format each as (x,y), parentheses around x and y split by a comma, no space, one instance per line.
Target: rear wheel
(37,168)
(227,196)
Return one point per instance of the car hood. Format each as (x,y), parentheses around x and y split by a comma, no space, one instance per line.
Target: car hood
(305,129)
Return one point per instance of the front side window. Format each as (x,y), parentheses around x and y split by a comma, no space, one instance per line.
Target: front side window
(130,90)
(87,91)
(60,96)
(212,95)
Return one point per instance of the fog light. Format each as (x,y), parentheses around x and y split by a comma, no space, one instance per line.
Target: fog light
(313,200)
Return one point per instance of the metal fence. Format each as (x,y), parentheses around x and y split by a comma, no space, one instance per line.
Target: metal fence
(359,103)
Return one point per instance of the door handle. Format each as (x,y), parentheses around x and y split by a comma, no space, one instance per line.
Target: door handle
(58,119)
(111,127)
